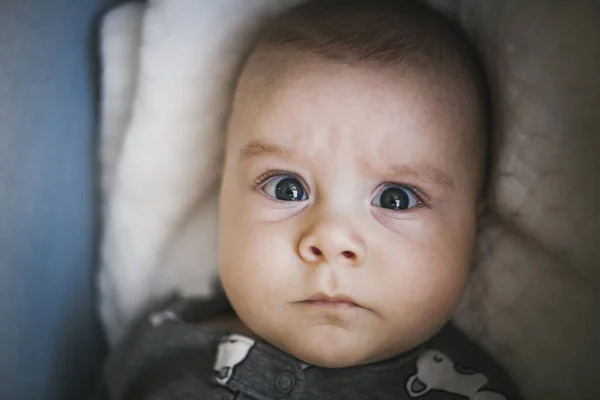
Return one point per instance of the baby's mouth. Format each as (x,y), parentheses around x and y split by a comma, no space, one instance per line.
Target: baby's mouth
(327,301)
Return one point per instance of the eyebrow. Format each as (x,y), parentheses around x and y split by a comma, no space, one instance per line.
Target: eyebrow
(259,148)
(424,172)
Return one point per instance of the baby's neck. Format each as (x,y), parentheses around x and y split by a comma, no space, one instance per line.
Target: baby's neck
(230,323)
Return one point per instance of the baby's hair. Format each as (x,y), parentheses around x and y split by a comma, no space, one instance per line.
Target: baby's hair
(401,34)
(379,31)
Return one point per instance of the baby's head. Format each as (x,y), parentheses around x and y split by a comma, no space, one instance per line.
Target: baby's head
(354,167)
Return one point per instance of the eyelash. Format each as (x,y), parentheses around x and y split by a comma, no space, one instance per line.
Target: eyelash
(264,177)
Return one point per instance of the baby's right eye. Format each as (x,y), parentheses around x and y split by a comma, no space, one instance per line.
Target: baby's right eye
(285,188)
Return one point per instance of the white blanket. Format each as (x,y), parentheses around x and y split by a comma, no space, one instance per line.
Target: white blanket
(168,70)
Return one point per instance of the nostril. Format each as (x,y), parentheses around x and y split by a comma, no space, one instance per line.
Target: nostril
(349,255)
(315,251)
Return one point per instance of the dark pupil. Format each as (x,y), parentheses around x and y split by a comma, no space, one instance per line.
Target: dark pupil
(395,199)
(289,189)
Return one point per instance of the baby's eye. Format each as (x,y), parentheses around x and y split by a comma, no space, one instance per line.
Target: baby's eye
(285,187)
(396,197)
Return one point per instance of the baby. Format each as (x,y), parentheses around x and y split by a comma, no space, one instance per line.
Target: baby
(354,168)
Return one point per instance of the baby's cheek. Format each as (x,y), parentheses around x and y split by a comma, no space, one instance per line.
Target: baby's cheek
(425,276)
(421,303)
(260,255)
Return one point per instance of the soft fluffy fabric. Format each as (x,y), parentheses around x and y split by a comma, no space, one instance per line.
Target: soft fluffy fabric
(168,71)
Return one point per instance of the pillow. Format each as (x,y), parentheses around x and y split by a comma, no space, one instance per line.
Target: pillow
(535,293)
(168,73)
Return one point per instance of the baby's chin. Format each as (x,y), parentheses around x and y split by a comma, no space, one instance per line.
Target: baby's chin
(334,347)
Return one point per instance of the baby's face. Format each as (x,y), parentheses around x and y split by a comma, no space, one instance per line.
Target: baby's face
(348,212)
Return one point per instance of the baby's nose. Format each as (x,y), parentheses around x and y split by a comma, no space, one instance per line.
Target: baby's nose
(333,244)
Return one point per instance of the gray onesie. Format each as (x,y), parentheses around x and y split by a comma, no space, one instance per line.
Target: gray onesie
(170,356)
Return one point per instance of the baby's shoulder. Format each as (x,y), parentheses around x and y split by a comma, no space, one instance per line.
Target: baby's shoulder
(453,363)
(167,350)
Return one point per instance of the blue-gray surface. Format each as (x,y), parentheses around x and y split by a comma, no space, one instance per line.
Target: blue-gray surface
(49,341)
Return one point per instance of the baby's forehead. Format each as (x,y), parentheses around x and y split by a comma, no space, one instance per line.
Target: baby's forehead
(269,71)
(320,111)
(293,84)
(320,106)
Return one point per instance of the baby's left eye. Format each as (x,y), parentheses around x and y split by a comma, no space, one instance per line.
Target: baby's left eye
(396,197)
